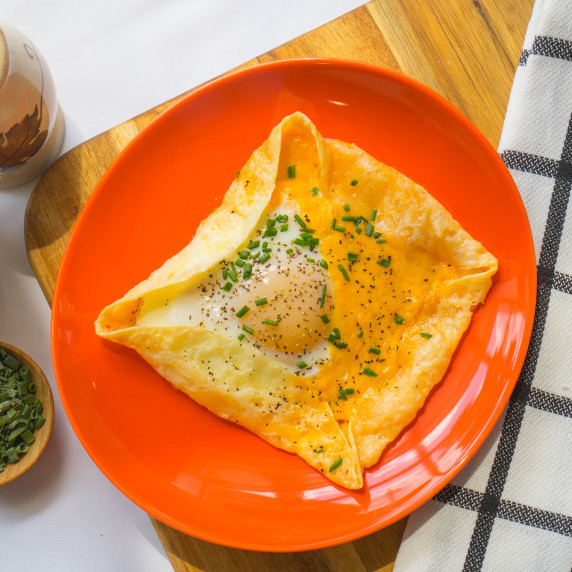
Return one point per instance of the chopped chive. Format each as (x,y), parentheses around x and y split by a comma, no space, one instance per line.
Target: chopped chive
(261,301)
(315,191)
(270,322)
(369,229)
(398,320)
(349,390)
(340,228)
(247,329)
(300,220)
(384,262)
(240,337)
(343,271)
(335,465)
(373,215)
(291,171)
(323,296)
(284,227)
(349,218)
(271,223)
(27,437)
(342,394)
(341,345)
(376,234)
(352,256)
(337,334)
(305,241)
(360,334)
(242,312)
(324,264)
(264,245)
(310,260)
(370,372)
(264,258)
(353,182)
(256,255)
(320,450)
(240,263)
(380,240)
(374,351)
(302,365)
(334,223)
(346,207)
(227,287)
(233,275)
(270,232)
(225,274)
(244,254)
(254,244)
(289,251)
(247,272)
(325,319)
(426,335)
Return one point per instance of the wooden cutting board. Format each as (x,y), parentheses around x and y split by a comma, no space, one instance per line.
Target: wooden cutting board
(465,49)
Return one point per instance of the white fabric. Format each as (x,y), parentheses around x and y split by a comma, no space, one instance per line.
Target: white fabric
(511,507)
(111,59)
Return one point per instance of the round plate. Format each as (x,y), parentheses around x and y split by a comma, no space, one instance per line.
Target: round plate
(205,476)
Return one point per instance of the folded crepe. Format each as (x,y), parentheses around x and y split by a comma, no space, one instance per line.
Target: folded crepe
(316,307)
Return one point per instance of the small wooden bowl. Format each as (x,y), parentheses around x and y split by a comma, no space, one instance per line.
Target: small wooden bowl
(42,435)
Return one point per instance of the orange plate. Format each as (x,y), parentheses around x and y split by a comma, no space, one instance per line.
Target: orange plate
(212,479)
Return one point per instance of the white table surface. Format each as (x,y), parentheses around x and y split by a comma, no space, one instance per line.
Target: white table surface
(111,59)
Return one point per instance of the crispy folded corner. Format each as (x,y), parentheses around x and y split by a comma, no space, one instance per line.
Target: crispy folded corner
(264,398)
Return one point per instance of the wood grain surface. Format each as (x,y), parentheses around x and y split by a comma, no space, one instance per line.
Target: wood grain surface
(467,50)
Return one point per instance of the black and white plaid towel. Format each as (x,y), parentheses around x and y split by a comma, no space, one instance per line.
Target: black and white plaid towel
(510,509)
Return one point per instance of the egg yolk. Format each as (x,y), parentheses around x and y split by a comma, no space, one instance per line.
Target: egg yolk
(287,312)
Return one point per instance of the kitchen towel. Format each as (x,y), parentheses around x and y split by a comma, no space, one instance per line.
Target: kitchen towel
(510,508)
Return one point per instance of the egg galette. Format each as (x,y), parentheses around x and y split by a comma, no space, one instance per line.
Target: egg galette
(316,307)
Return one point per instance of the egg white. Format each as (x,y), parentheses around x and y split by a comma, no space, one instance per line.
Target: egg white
(293,277)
